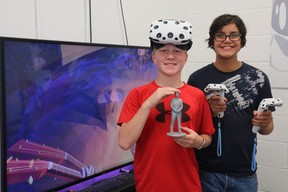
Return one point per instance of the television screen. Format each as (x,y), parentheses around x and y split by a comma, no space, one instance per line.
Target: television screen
(60,103)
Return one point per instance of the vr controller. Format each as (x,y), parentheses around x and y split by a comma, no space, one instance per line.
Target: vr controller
(264,105)
(219,90)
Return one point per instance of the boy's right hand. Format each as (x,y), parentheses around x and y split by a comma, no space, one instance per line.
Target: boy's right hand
(217,104)
(158,95)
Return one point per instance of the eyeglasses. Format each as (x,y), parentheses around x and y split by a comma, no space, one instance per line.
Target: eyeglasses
(220,37)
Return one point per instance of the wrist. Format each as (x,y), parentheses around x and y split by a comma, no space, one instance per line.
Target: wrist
(202,144)
(267,129)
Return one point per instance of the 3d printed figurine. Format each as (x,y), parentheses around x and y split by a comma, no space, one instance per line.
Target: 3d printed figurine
(176,113)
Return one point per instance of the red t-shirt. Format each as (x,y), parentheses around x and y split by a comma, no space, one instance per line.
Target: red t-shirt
(160,164)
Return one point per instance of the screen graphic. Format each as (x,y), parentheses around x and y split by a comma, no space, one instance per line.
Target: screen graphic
(61,105)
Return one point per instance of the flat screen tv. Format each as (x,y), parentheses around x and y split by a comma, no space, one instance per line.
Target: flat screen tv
(60,102)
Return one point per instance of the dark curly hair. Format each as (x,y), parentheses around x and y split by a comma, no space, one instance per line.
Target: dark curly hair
(223,20)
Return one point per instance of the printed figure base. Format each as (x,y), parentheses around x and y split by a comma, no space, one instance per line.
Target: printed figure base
(176,134)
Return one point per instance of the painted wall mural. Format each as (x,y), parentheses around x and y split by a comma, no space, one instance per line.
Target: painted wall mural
(278,70)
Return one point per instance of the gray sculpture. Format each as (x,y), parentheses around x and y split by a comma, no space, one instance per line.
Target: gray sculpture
(176,114)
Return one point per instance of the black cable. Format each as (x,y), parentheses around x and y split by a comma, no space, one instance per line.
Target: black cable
(90,22)
(124,24)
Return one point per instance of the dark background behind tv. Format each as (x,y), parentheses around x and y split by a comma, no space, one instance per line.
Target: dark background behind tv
(61,101)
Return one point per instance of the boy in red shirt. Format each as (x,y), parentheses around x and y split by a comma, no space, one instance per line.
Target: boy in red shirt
(164,163)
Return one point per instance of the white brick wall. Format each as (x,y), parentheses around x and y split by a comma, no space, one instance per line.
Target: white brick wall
(107,27)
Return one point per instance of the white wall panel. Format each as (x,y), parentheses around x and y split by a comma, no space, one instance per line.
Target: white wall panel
(17,18)
(274,180)
(139,14)
(106,19)
(62,20)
